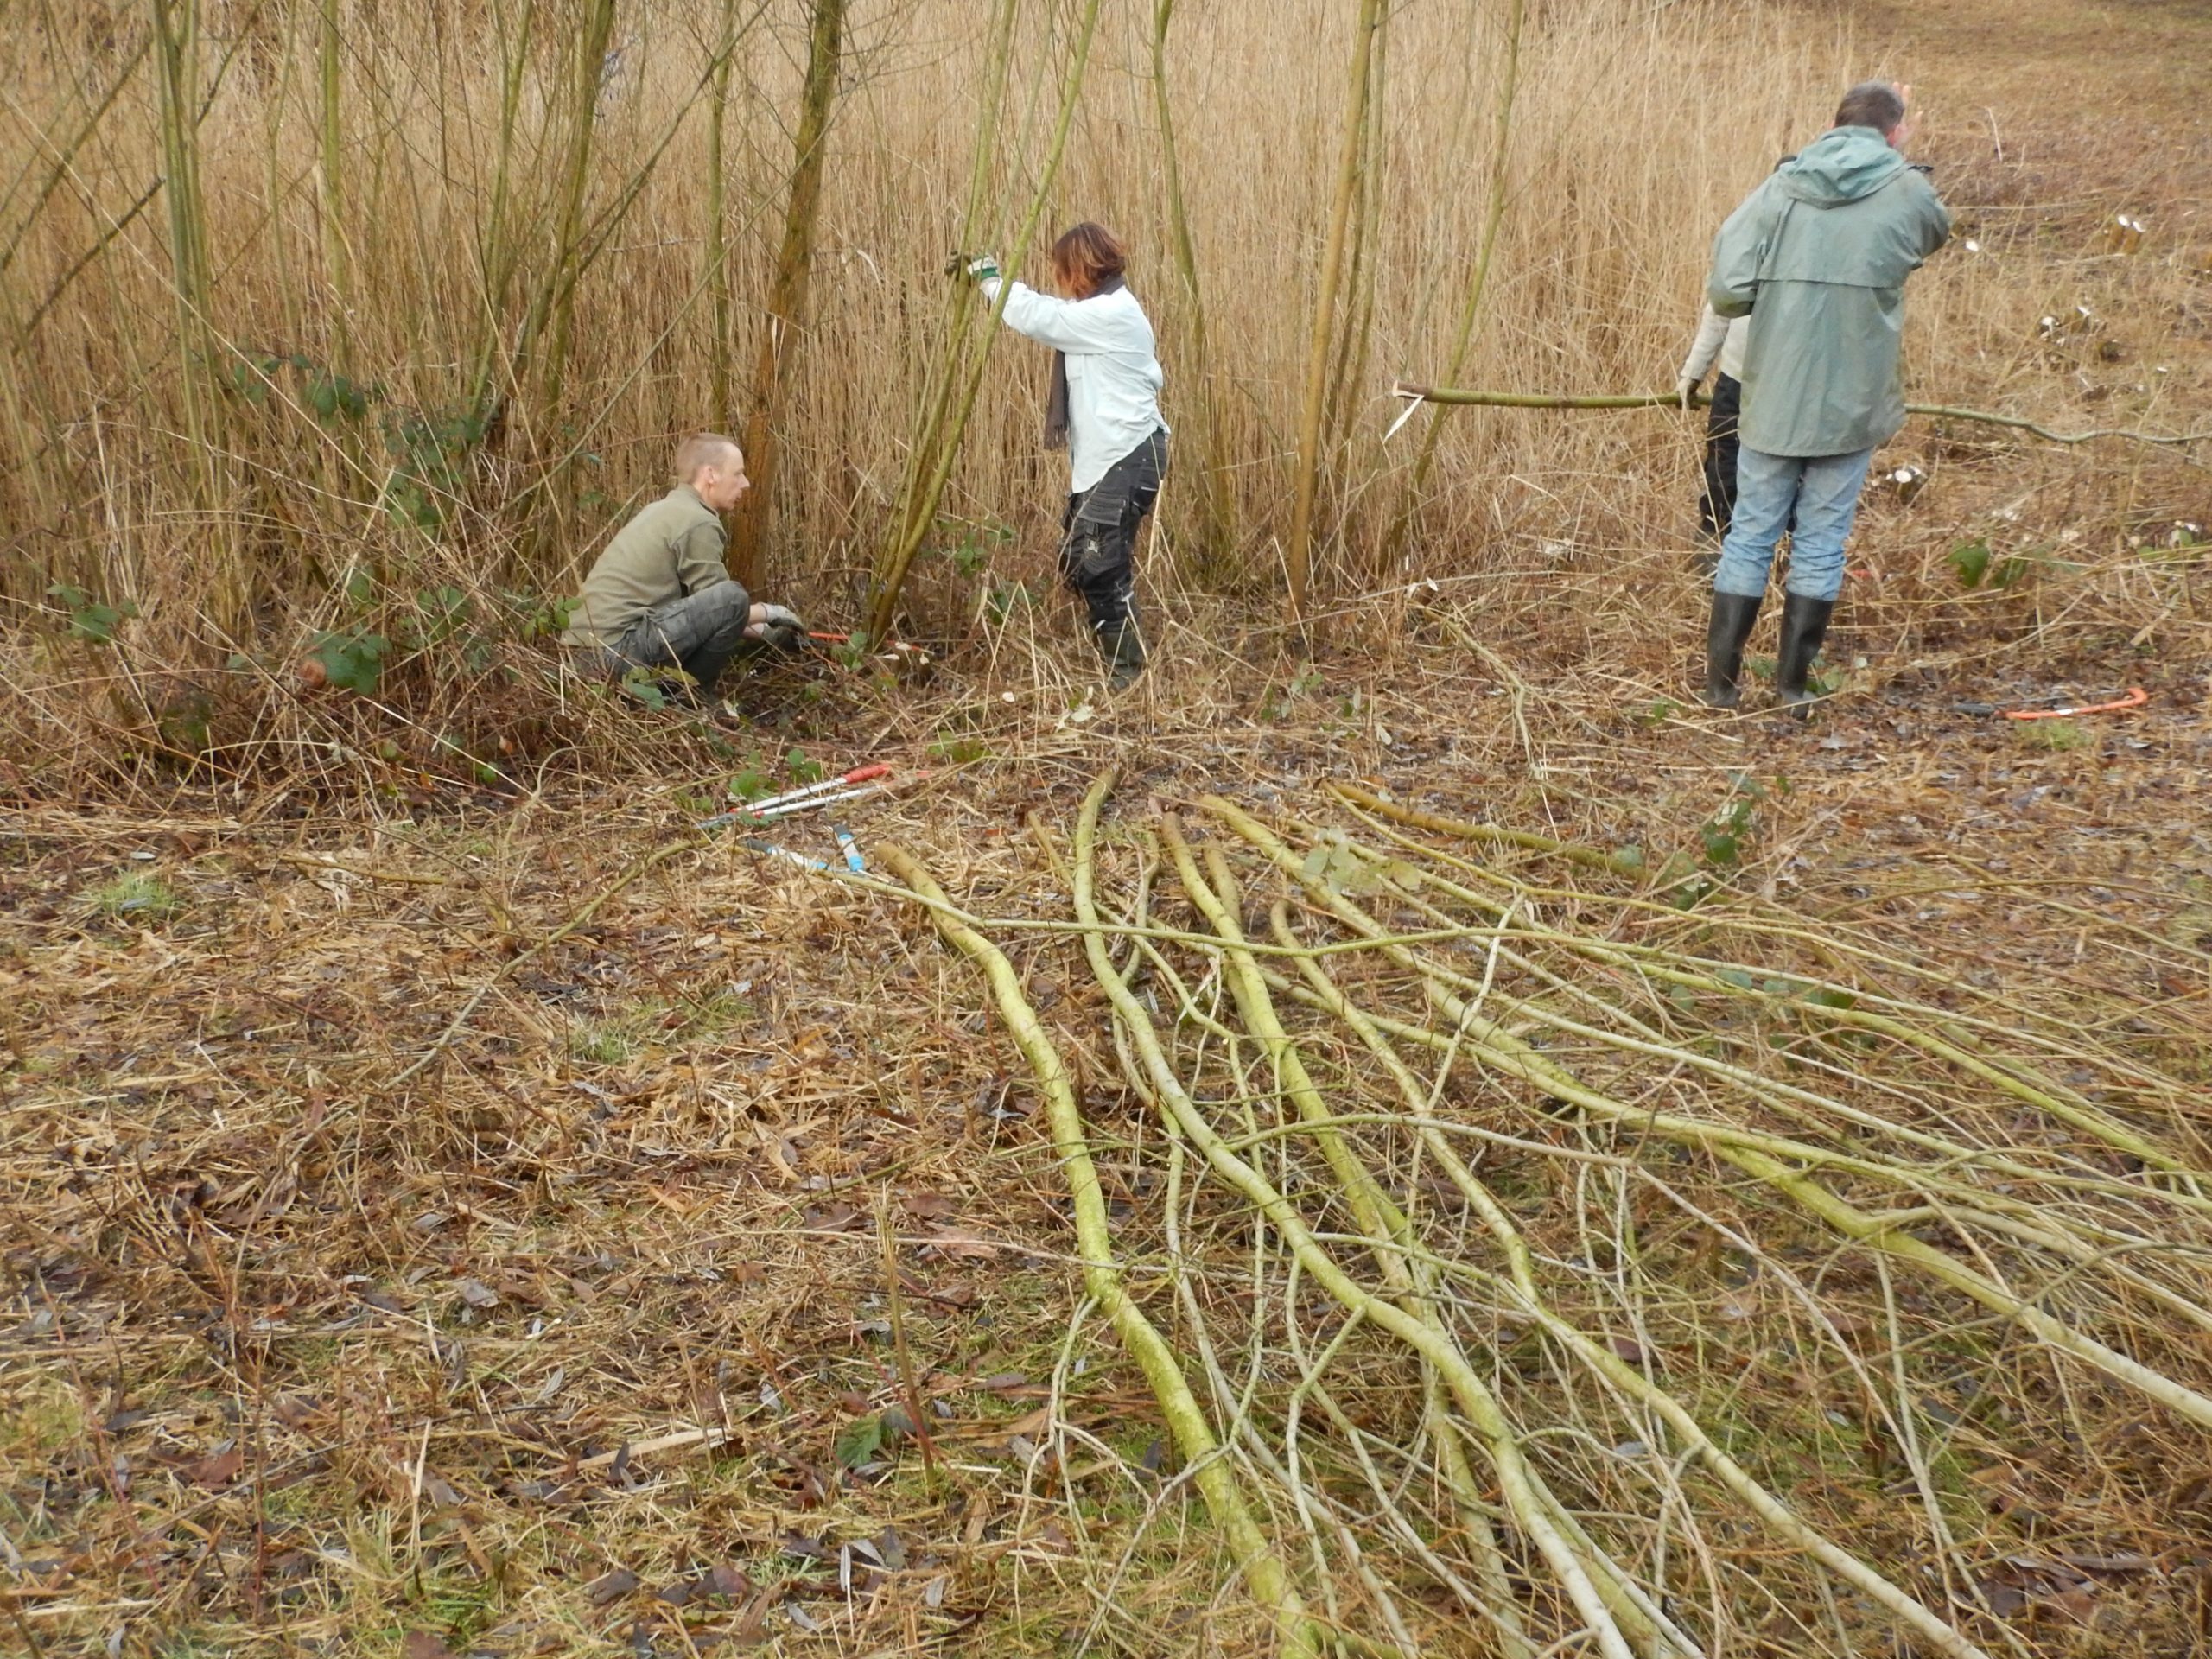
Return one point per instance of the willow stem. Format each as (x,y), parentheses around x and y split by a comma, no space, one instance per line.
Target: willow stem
(1462,397)
(920,512)
(1537,1517)
(1521,1286)
(1255,1558)
(1299,557)
(785,322)
(1518,1059)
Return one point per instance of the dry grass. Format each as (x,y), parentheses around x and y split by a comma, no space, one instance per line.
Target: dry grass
(663,1145)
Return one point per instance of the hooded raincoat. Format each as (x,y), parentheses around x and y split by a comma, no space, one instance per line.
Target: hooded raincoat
(1817,257)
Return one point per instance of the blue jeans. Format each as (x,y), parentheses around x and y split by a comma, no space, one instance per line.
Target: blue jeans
(1814,497)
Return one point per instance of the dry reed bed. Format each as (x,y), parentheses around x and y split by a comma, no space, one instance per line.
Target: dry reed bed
(447,147)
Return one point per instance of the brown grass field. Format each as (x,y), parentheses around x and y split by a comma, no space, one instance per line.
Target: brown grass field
(1625,1180)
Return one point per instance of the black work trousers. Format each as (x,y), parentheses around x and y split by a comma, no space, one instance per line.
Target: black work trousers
(699,634)
(1098,542)
(1716,500)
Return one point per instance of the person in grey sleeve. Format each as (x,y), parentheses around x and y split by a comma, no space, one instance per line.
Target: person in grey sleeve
(1817,257)
(1719,340)
(1104,407)
(660,597)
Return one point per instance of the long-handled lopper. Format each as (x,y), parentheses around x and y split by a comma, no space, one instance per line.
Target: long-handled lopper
(2136,697)
(792,798)
(882,786)
(846,845)
(753,845)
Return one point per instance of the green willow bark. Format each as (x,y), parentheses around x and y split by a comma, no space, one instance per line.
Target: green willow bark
(335,255)
(1257,1562)
(1218,543)
(787,299)
(959,306)
(554,311)
(1478,284)
(497,256)
(921,511)
(177,60)
(1299,555)
(1359,278)
(716,257)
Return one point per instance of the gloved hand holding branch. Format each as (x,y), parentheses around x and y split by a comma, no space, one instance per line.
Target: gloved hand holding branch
(1104,408)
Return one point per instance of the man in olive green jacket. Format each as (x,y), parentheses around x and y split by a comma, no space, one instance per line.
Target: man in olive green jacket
(660,597)
(1817,257)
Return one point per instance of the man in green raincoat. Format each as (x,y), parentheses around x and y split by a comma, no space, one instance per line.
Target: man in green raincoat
(1817,257)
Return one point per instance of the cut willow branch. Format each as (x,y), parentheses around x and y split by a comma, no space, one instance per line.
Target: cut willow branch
(1383,1222)
(2005,1073)
(1881,1233)
(1969,1031)
(1634,869)
(1522,1285)
(1262,1569)
(1462,397)
(1492,1043)
(1597,1596)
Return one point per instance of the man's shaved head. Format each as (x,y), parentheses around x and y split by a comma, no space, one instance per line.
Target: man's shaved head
(705,449)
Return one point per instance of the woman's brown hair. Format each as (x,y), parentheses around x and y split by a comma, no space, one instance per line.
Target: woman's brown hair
(1087,256)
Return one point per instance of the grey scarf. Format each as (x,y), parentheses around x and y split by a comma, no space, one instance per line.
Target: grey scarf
(1056,400)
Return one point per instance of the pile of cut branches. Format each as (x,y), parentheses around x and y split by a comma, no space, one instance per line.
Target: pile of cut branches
(1549,1254)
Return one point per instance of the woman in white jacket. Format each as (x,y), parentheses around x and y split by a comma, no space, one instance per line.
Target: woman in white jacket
(1721,337)
(1105,409)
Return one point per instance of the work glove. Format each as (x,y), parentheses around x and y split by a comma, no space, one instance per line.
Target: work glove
(983,268)
(1686,389)
(779,627)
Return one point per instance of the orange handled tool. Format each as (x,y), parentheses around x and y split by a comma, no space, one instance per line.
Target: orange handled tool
(2136,697)
(888,646)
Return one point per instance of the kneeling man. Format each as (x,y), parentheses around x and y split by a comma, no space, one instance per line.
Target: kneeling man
(660,597)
